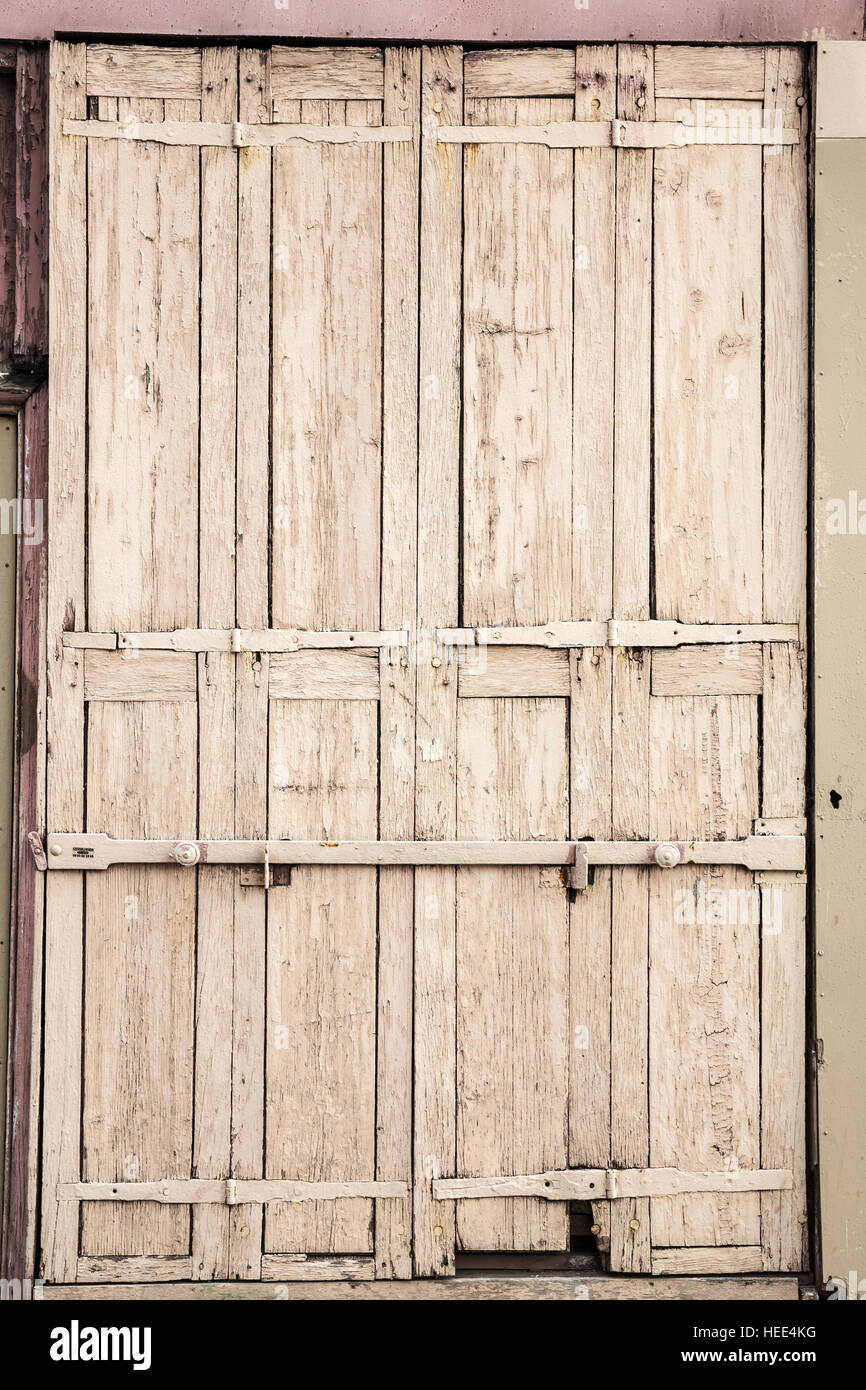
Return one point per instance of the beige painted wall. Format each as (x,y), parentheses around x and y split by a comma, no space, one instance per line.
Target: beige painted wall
(8,490)
(840,655)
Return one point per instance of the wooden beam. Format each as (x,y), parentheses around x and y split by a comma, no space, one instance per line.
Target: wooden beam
(234,134)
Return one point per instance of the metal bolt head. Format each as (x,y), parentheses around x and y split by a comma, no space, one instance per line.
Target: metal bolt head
(634,1224)
(56,849)
(667,855)
(186,852)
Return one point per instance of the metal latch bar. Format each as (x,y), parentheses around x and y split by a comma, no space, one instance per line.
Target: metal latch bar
(235,640)
(236,134)
(612,1184)
(625,135)
(226,1191)
(619,632)
(100,851)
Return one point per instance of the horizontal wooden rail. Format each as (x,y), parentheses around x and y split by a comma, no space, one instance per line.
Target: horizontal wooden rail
(99,851)
(618,632)
(616,134)
(199,639)
(229,1191)
(599,1184)
(612,632)
(235,134)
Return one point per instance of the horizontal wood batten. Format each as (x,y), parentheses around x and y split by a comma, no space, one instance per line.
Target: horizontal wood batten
(519,72)
(618,632)
(628,135)
(516,671)
(732,72)
(228,1192)
(138,70)
(715,670)
(328,675)
(97,1269)
(339,74)
(711,1259)
(600,1184)
(98,851)
(462,1288)
(309,1268)
(114,675)
(235,640)
(235,135)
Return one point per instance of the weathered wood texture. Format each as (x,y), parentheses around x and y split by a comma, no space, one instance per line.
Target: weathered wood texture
(332,392)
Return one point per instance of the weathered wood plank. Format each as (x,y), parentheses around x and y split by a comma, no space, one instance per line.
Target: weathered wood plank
(336,675)
(128,1269)
(252,676)
(591,510)
(519,72)
(712,1259)
(396,689)
(517,370)
(512,970)
(31,189)
(321,1011)
(704,1049)
(436,688)
(514,671)
(66,609)
(594,1287)
(304,1269)
(137,70)
(707,374)
(731,670)
(168,676)
(733,71)
(784,1229)
(327,349)
(139,978)
(342,74)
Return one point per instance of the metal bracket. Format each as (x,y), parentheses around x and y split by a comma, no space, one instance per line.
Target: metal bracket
(37,849)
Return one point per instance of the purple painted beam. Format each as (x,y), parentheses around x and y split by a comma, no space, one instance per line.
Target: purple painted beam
(472,21)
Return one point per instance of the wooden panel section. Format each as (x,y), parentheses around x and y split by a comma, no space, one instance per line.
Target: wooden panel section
(129,1268)
(302,1269)
(321,1013)
(704,1053)
(143,269)
(342,74)
(138,978)
(515,671)
(592,404)
(313,675)
(436,689)
(393,1218)
(732,670)
(734,1259)
(136,70)
(784,1228)
(512,971)
(326,393)
(734,72)
(519,72)
(517,370)
(135,675)
(66,609)
(707,372)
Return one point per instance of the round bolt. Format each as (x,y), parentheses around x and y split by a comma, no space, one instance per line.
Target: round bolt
(640,102)
(186,852)
(634,1224)
(437,661)
(595,1230)
(56,849)
(666,856)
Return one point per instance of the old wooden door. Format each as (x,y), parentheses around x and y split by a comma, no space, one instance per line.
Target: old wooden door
(428,490)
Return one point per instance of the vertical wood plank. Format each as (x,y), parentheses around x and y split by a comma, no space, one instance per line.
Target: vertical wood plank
(704,1058)
(592,395)
(629,1141)
(139,977)
(31,182)
(402,105)
(66,610)
(436,686)
(251,715)
(321,1043)
(784,1232)
(216,670)
(707,376)
(517,367)
(512,971)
